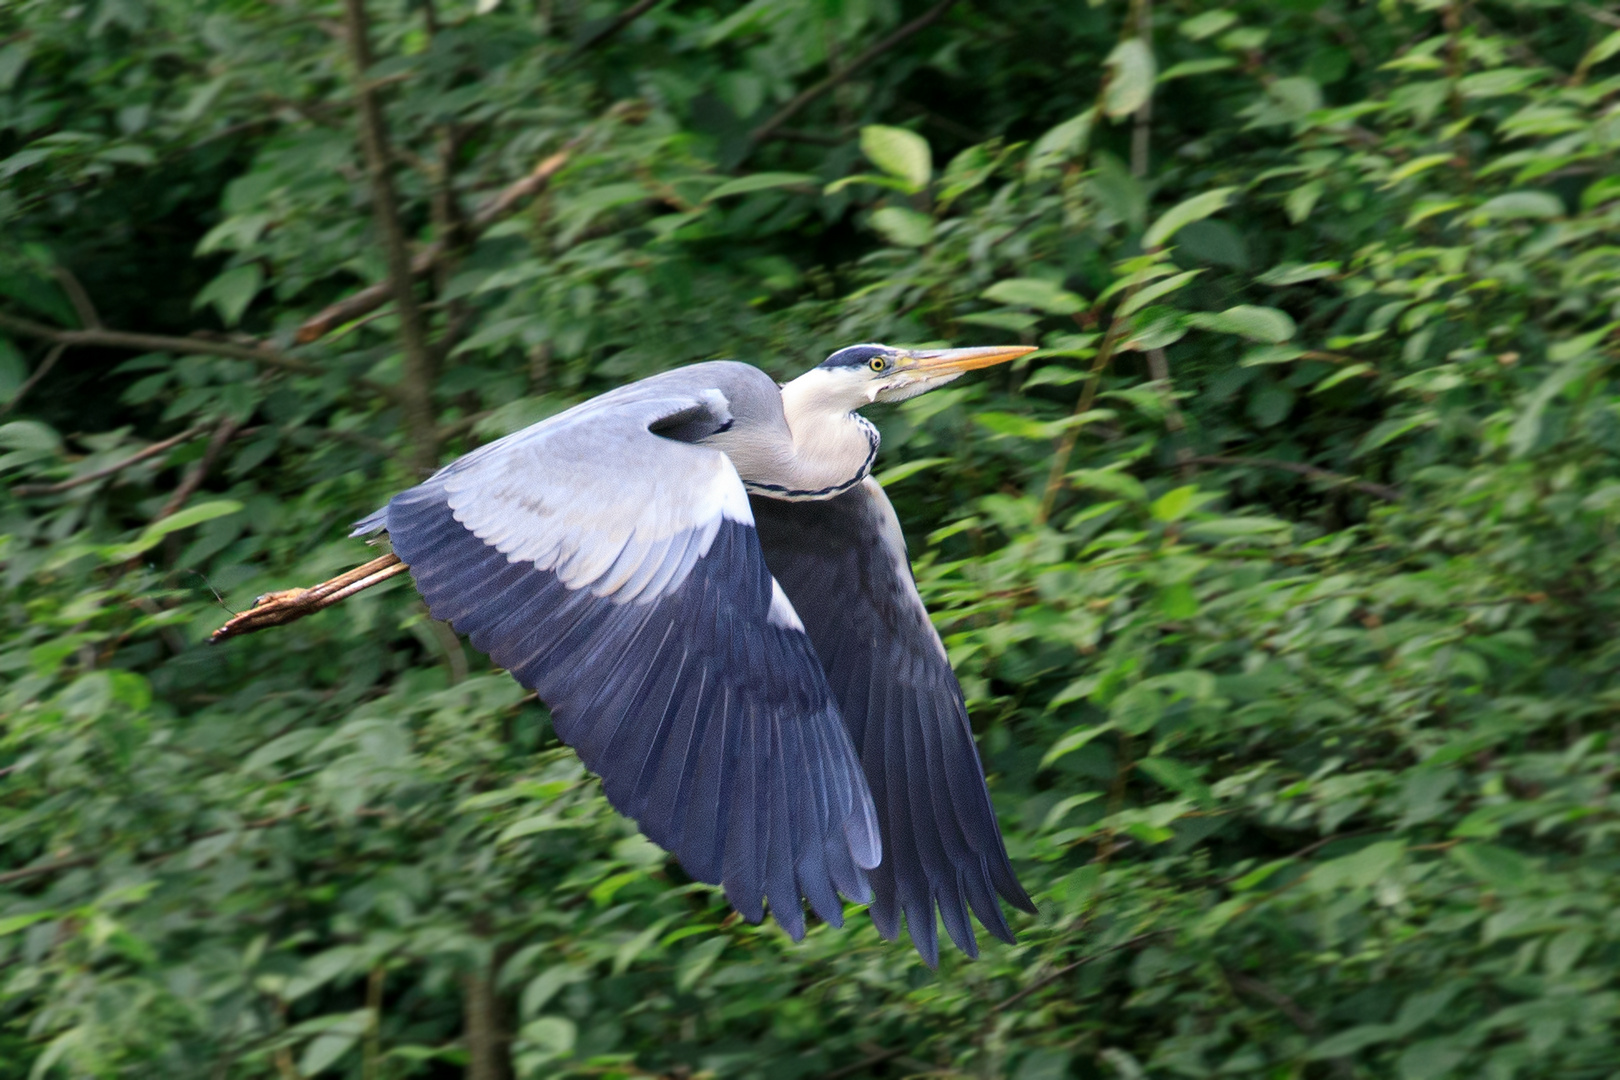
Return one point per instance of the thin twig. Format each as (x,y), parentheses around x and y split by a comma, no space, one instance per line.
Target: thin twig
(1047,980)
(107,470)
(1307,851)
(625,18)
(77,297)
(865,1063)
(192,346)
(1284,1004)
(76,861)
(41,869)
(416,383)
(1088,394)
(373,297)
(1142,122)
(1381,491)
(872,52)
(199,471)
(33,380)
(371,1057)
(290,605)
(1598,14)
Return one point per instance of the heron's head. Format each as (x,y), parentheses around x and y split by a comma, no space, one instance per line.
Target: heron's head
(861,374)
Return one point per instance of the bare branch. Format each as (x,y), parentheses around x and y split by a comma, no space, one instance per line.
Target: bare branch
(1047,980)
(416,397)
(872,52)
(871,1061)
(373,297)
(77,297)
(1381,491)
(41,869)
(108,470)
(199,471)
(193,346)
(625,18)
(290,605)
(33,380)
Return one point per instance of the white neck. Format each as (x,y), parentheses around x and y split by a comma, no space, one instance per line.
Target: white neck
(833,446)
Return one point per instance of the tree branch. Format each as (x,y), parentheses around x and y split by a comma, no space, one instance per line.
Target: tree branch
(290,605)
(416,386)
(108,470)
(624,19)
(872,52)
(77,297)
(191,346)
(199,471)
(1381,491)
(373,297)
(41,869)
(1047,980)
(33,380)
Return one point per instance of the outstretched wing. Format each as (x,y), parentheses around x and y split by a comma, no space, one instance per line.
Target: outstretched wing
(842,562)
(616,571)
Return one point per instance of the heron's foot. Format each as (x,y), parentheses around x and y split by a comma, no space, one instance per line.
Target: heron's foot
(288,605)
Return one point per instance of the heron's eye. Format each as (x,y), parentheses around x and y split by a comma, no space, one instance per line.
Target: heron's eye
(877,363)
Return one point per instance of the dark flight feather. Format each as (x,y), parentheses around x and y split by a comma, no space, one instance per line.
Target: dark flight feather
(711,725)
(842,564)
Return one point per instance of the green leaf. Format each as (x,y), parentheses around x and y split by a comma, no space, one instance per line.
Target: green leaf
(1498,867)
(1263,324)
(1606,49)
(13,923)
(761,182)
(1297,273)
(549,1038)
(30,435)
(1520,205)
(1072,741)
(1415,166)
(536,823)
(1299,202)
(1207,25)
(1197,67)
(1345,1043)
(1061,143)
(1175,504)
(1177,776)
(894,475)
(1185,213)
(697,961)
(1130,78)
(901,153)
(903,227)
(1148,294)
(184,519)
(1360,870)
(1349,371)
(1035,293)
(231,292)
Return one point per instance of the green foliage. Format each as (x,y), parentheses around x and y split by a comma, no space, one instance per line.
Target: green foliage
(1282,581)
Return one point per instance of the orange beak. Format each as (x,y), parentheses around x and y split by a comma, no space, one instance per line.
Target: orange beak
(933,362)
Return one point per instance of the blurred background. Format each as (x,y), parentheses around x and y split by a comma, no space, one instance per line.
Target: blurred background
(1281,581)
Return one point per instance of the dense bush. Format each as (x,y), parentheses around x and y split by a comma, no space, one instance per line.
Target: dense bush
(1282,580)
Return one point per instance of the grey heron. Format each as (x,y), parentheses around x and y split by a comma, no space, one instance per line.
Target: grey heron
(699,576)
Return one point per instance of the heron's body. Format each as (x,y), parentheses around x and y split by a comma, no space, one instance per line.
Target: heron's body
(698,576)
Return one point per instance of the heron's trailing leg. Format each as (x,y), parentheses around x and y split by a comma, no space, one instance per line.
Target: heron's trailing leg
(289,605)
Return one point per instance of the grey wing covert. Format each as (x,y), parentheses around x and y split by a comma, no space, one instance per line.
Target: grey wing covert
(625,585)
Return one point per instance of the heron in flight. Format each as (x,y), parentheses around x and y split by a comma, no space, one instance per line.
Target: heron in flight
(699,576)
